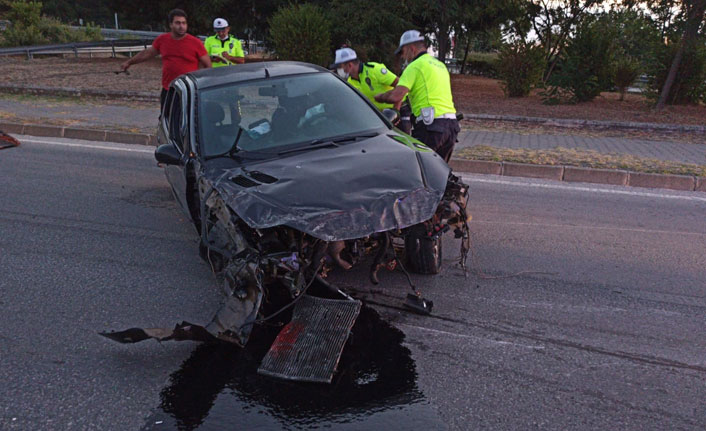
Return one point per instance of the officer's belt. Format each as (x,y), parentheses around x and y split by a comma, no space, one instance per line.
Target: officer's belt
(449,116)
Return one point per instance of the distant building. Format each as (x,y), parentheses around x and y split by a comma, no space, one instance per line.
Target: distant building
(4,24)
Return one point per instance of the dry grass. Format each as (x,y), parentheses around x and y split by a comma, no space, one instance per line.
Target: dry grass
(477,95)
(583,158)
(83,73)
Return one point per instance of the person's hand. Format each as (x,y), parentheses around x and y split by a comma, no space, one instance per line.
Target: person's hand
(125,66)
(217,59)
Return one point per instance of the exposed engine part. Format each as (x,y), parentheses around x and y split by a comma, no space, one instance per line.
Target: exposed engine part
(252,262)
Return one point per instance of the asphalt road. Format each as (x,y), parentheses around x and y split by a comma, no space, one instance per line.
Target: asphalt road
(606,332)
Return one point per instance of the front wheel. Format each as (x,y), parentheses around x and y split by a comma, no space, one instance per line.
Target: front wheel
(423,252)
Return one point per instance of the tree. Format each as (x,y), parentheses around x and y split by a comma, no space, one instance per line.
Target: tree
(90,11)
(627,69)
(245,16)
(371,27)
(665,13)
(302,33)
(482,19)
(442,18)
(636,34)
(585,66)
(520,65)
(553,22)
(695,10)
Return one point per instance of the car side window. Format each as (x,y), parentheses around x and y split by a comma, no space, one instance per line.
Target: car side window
(167,106)
(175,121)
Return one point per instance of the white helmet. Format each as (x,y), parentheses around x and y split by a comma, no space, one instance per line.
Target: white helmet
(343,55)
(219,24)
(408,37)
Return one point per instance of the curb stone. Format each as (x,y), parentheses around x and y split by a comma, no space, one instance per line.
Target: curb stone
(85,134)
(128,138)
(598,176)
(673,182)
(476,166)
(48,131)
(549,172)
(700,184)
(15,128)
(75,133)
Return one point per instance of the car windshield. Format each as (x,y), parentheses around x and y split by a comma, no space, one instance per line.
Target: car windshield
(273,113)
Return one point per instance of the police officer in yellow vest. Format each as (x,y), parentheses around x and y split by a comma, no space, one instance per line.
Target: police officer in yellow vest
(427,83)
(368,78)
(223,48)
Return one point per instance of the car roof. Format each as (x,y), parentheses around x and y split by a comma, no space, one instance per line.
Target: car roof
(216,76)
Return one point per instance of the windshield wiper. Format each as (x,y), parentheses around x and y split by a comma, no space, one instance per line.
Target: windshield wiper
(232,150)
(319,143)
(334,141)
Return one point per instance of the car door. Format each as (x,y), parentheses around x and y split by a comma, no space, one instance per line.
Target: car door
(174,128)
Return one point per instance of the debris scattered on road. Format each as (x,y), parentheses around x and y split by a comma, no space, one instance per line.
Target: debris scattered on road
(7,141)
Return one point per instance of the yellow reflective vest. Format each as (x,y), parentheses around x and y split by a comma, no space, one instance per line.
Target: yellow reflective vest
(374,78)
(231,46)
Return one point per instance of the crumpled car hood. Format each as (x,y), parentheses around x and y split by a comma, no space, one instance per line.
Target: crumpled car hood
(347,192)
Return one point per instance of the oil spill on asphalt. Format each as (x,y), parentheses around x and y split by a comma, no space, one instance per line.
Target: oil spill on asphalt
(218,388)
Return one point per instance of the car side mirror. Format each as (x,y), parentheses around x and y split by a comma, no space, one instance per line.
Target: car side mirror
(167,154)
(392,115)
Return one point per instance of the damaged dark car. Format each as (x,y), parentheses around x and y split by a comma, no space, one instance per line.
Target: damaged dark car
(288,173)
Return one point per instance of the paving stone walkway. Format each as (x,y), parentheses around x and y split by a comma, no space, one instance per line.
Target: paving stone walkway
(662,150)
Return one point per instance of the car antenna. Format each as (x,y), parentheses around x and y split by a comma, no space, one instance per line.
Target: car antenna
(267,73)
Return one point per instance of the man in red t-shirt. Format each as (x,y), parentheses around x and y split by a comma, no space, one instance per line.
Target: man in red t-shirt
(181,52)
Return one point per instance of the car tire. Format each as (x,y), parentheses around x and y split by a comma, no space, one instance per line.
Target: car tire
(424,253)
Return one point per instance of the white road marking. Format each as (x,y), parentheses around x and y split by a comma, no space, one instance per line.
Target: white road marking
(579,226)
(472,337)
(91,146)
(699,197)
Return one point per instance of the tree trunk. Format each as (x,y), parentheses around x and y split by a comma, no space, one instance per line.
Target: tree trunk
(696,15)
(443,40)
(465,54)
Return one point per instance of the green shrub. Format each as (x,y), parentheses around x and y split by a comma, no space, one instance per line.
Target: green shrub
(585,67)
(690,83)
(23,13)
(55,32)
(481,68)
(29,27)
(18,35)
(91,32)
(301,33)
(520,67)
(625,71)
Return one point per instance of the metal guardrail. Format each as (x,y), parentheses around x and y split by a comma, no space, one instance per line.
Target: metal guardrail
(117,33)
(110,46)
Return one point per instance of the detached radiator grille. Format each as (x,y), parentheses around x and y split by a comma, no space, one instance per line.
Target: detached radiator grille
(309,347)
